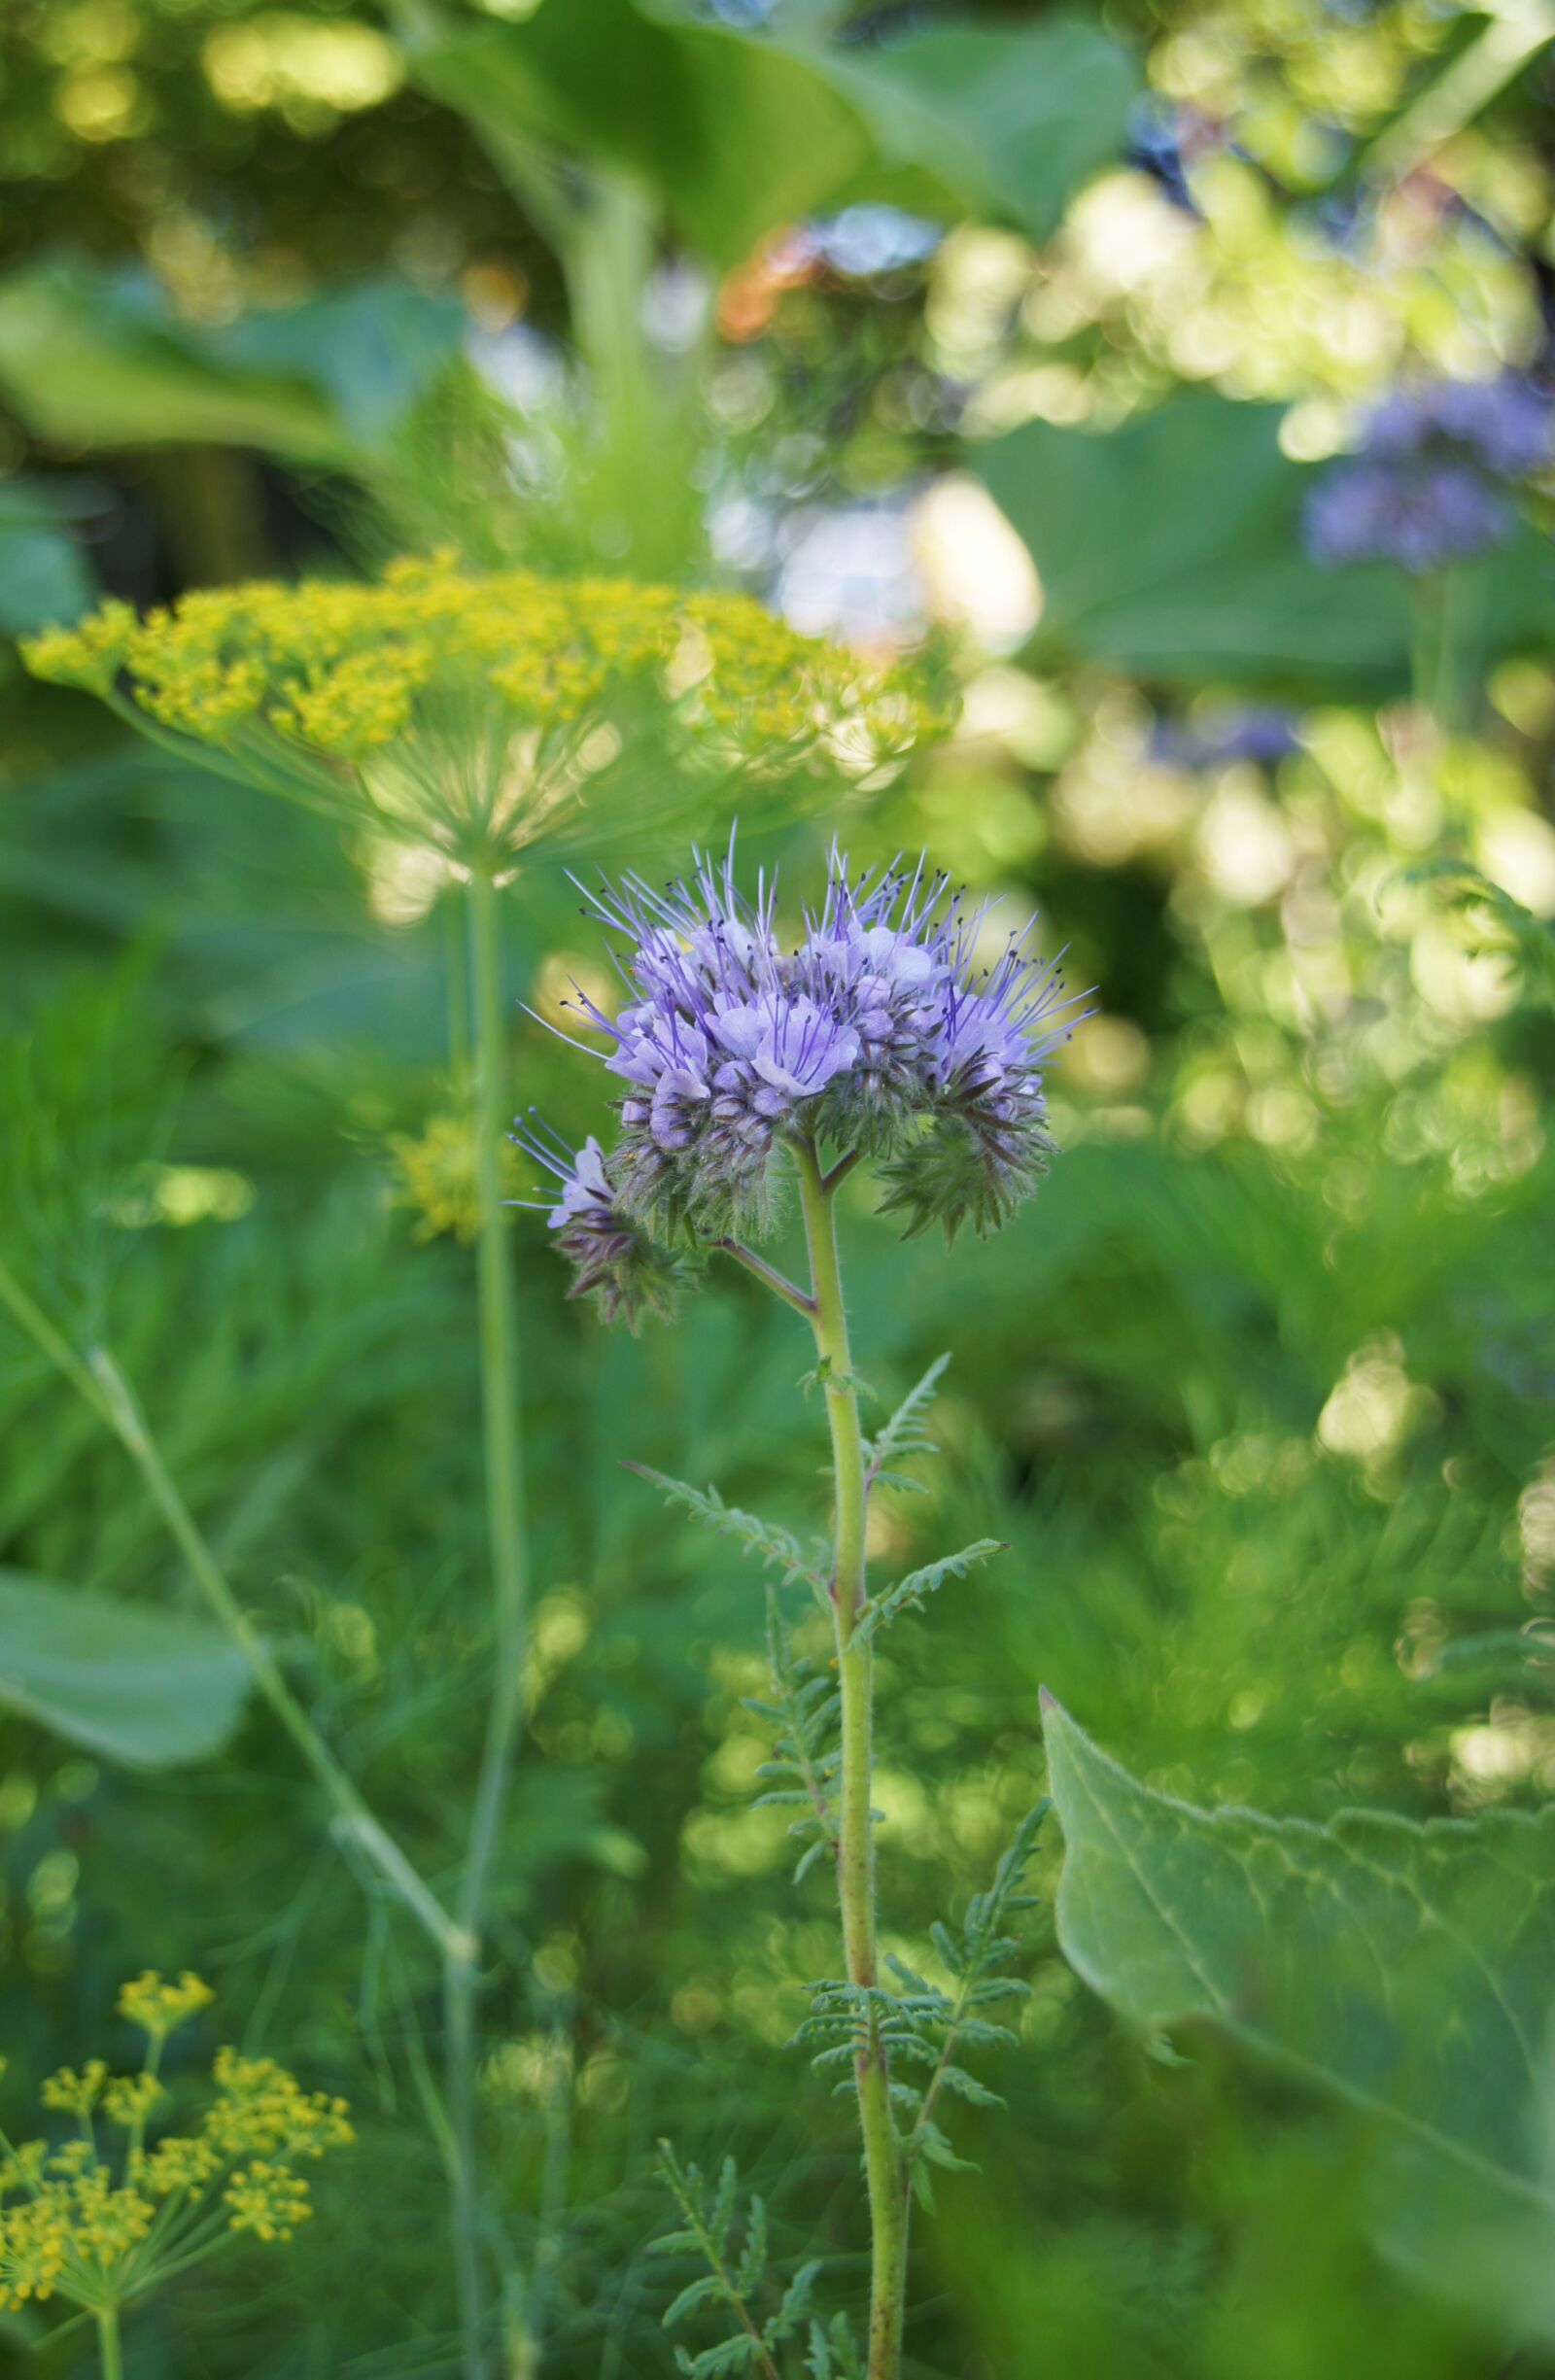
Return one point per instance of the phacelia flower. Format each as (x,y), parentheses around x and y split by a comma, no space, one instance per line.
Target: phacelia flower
(877,1034)
(613,1259)
(478,713)
(1506,425)
(1430,483)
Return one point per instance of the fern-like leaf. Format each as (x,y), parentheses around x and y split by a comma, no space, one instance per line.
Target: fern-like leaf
(912,1593)
(777,1549)
(904,1434)
(803,1717)
(734,2278)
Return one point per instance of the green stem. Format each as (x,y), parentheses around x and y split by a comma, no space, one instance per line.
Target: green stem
(769,1276)
(111,2362)
(101,1384)
(855,1847)
(504,1524)
(454,960)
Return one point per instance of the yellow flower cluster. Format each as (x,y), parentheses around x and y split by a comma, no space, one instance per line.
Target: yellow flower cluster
(68,2225)
(158,2008)
(72,2230)
(437,1177)
(331,675)
(266,2200)
(261,2109)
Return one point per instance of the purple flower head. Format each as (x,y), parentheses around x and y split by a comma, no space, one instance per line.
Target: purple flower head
(1507,426)
(612,1259)
(1420,515)
(877,1035)
(1426,488)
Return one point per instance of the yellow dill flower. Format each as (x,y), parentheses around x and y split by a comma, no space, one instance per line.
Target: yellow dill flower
(262,2108)
(35,2245)
(98,2232)
(437,1171)
(266,2200)
(159,2007)
(73,2093)
(178,2164)
(130,2099)
(476,710)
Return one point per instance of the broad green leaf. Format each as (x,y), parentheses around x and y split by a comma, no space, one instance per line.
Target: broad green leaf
(149,1688)
(1410,1969)
(953,120)
(686,108)
(1172,547)
(98,359)
(1004,123)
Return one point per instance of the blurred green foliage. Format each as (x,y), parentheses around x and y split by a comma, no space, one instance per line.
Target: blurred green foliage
(1259,1394)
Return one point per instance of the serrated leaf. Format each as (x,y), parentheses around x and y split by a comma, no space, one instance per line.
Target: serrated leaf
(904,1434)
(776,1549)
(911,1592)
(735,2354)
(967,2086)
(722,2211)
(703,2291)
(795,2301)
(948,1949)
(672,2243)
(1407,1968)
(753,2260)
(933,2145)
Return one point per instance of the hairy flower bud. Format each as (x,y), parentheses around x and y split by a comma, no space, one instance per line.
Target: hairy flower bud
(614,1261)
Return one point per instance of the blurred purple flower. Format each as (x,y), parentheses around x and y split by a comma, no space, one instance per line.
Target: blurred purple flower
(1426,485)
(1504,425)
(1265,734)
(1421,516)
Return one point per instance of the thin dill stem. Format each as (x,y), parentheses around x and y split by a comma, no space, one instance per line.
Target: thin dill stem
(101,1384)
(135,2146)
(855,1845)
(529,2349)
(457,975)
(501,1424)
(110,2360)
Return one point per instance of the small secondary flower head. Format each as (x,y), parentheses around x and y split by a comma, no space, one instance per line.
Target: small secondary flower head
(879,1033)
(1429,485)
(613,1259)
(476,712)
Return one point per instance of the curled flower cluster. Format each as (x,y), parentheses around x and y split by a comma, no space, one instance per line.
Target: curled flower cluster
(96,2229)
(472,709)
(1427,486)
(877,1034)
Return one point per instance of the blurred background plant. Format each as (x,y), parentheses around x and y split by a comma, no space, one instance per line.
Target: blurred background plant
(1044,331)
